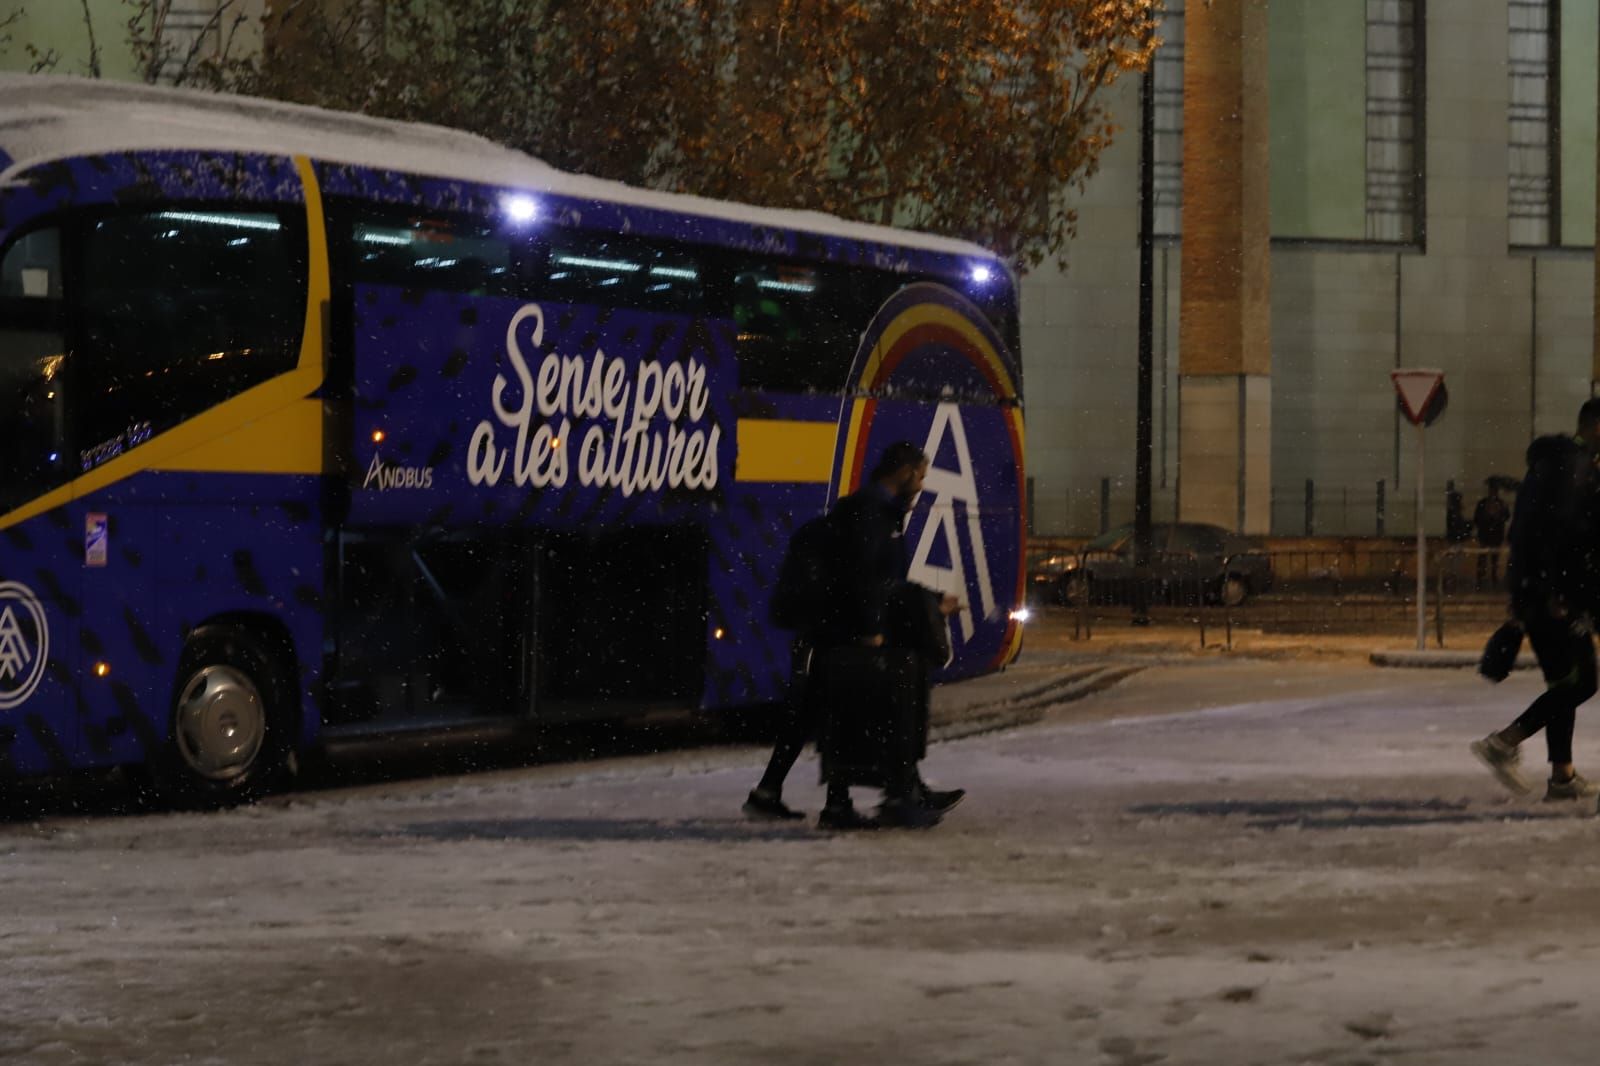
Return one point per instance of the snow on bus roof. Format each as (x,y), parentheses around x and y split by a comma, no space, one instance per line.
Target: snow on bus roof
(49,117)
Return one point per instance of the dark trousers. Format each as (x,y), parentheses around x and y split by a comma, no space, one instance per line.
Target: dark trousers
(1567,660)
(805,716)
(1489,566)
(799,725)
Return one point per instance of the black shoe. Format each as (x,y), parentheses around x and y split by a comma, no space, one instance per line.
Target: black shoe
(844,818)
(763,804)
(904,813)
(940,800)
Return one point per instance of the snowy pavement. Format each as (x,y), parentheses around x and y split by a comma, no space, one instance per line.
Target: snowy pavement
(1213,861)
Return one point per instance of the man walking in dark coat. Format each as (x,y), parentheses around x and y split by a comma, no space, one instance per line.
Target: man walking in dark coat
(869,579)
(1553,576)
(1489,520)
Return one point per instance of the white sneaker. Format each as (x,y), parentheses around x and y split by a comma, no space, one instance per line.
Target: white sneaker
(1501,759)
(1576,787)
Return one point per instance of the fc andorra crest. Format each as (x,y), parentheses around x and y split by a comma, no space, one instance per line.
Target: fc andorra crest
(24,643)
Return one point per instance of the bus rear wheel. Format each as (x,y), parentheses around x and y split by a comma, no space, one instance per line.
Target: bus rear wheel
(229,736)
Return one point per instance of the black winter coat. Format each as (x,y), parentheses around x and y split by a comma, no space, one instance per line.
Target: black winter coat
(1554,528)
(870,568)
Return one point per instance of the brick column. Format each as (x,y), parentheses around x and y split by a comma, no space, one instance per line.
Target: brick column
(1225,385)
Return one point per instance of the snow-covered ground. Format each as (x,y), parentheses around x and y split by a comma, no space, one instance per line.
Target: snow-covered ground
(1212,862)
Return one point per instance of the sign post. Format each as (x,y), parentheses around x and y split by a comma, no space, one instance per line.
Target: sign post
(1422,400)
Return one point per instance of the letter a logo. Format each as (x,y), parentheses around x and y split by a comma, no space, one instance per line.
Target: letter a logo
(948,488)
(22,656)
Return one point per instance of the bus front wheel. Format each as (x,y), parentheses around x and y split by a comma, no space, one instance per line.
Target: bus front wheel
(229,735)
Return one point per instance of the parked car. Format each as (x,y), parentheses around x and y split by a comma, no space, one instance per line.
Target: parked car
(1189,561)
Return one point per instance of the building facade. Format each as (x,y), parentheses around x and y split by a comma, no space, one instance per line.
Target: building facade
(1432,203)
(80,35)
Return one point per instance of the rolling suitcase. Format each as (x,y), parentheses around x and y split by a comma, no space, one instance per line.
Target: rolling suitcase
(871,712)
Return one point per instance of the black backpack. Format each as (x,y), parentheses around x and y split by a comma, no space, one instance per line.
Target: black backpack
(807,577)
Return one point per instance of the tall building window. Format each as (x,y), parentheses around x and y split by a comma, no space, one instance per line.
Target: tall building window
(1533,200)
(1341,171)
(1393,147)
(1167,158)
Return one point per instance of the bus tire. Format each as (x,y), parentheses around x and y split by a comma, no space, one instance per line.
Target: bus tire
(230,725)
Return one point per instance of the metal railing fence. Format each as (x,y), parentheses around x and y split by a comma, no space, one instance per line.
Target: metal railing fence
(1353,588)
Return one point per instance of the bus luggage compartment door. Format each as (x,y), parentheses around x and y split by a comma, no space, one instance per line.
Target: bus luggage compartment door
(621,626)
(432,631)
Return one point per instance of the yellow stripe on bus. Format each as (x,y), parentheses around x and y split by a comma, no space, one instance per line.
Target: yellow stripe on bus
(197,433)
(319,287)
(287,441)
(776,450)
(858,408)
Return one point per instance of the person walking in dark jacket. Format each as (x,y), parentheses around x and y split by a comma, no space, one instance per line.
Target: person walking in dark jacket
(868,580)
(1554,585)
(1489,520)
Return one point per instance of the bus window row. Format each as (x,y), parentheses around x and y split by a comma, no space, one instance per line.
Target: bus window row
(798,322)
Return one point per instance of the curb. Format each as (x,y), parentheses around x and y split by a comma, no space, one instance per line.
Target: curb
(1440,659)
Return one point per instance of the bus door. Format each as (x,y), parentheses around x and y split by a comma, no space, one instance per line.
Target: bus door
(176,311)
(39,597)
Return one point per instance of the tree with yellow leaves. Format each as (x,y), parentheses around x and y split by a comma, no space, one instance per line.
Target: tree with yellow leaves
(973,118)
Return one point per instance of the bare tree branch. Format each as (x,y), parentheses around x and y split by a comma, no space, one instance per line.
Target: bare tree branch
(5,28)
(94,47)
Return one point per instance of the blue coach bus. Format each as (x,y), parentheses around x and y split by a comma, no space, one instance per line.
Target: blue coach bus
(314,426)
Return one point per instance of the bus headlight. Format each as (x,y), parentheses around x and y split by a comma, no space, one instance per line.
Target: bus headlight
(1021,615)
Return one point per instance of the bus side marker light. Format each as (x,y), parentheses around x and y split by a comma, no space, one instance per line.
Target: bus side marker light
(102,669)
(378,435)
(521,209)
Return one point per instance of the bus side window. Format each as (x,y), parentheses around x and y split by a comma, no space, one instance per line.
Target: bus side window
(619,271)
(436,254)
(798,326)
(32,351)
(180,310)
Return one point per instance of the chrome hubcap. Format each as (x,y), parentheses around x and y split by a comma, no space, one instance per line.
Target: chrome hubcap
(220,723)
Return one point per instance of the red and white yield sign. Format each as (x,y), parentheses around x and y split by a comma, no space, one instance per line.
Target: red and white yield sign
(1422,394)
